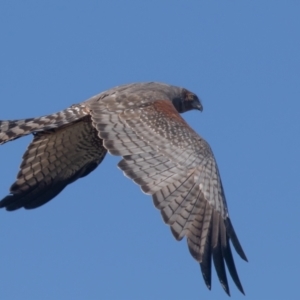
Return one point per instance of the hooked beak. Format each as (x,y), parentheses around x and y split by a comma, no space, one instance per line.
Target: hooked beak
(197,105)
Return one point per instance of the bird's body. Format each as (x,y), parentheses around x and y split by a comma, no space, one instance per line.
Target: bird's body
(161,153)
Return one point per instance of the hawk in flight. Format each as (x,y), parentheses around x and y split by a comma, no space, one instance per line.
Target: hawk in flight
(160,152)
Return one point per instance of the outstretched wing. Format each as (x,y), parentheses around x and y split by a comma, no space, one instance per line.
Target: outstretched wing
(176,166)
(54,159)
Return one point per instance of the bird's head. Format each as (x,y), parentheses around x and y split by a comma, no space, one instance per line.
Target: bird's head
(187,101)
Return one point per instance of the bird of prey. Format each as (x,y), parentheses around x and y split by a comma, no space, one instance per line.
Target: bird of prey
(140,122)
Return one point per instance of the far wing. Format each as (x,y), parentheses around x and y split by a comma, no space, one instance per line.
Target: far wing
(54,159)
(176,166)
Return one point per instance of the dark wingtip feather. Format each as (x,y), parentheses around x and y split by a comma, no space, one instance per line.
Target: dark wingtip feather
(231,233)
(206,273)
(9,203)
(205,265)
(231,267)
(3,202)
(220,268)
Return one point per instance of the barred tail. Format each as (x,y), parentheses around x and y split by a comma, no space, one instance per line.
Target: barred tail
(13,129)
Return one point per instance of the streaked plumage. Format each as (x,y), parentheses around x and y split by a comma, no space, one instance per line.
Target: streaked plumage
(161,153)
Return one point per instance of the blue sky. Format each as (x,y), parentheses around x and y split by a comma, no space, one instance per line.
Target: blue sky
(102,238)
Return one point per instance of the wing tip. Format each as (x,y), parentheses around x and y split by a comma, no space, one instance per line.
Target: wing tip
(8,202)
(206,274)
(234,239)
